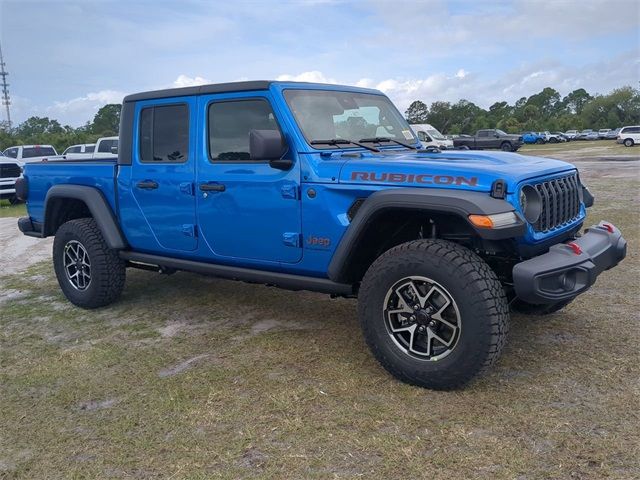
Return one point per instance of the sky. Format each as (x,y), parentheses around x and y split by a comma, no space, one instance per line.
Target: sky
(68,58)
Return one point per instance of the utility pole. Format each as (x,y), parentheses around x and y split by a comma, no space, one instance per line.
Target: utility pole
(6,101)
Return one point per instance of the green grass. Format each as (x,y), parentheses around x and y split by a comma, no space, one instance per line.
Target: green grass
(193,377)
(8,210)
(581,149)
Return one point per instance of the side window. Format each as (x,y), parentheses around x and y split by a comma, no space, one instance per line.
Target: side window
(164,134)
(483,133)
(230,124)
(12,153)
(423,137)
(90,149)
(632,130)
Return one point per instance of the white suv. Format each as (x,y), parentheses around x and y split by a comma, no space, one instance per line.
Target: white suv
(629,136)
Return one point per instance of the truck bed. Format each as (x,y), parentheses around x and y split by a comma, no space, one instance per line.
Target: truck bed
(41,176)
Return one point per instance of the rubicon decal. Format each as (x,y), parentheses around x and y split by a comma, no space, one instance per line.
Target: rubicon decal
(421,178)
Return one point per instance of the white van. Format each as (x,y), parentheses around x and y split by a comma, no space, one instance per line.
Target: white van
(629,136)
(429,136)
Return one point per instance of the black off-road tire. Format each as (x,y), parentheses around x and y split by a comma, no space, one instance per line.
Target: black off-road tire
(475,289)
(525,308)
(506,147)
(107,271)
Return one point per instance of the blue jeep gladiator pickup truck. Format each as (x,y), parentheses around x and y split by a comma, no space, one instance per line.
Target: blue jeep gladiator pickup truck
(324,188)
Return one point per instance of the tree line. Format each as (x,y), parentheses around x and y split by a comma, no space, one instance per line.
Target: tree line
(48,131)
(546,110)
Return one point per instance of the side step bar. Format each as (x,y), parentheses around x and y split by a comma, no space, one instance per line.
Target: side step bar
(282,280)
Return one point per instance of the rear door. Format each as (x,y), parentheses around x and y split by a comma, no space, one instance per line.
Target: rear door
(163,170)
(246,208)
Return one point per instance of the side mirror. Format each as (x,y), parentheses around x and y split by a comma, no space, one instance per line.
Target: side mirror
(114,149)
(496,135)
(268,145)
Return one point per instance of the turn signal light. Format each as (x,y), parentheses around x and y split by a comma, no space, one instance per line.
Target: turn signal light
(483,221)
(496,220)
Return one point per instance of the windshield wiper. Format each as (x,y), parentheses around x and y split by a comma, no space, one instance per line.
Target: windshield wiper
(342,141)
(386,139)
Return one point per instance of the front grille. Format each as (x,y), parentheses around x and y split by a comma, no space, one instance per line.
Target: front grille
(560,202)
(9,170)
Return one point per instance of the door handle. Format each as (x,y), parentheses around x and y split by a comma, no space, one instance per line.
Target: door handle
(212,187)
(147,185)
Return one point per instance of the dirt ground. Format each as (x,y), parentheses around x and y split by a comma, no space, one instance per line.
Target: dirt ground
(194,377)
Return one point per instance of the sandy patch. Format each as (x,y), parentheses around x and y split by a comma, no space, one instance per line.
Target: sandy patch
(18,252)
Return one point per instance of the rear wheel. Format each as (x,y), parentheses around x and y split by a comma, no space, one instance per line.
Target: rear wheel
(90,274)
(628,142)
(553,140)
(433,313)
(506,147)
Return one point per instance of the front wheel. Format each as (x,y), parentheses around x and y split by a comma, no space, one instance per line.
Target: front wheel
(433,313)
(628,142)
(90,274)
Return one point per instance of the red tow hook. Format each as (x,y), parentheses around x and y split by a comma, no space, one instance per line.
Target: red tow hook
(608,227)
(575,247)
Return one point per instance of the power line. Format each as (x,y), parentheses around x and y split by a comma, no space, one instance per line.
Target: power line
(6,101)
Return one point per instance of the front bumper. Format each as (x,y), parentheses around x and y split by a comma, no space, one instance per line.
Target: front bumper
(569,269)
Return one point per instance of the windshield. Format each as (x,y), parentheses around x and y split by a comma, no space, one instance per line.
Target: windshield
(436,134)
(500,132)
(325,114)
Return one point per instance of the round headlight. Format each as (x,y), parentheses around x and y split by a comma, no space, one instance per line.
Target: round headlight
(530,203)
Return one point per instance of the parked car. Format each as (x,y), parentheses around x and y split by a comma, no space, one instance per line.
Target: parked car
(587,134)
(602,133)
(629,136)
(533,137)
(106,147)
(79,151)
(429,136)
(10,171)
(551,137)
(30,153)
(571,134)
(561,136)
(437,246)
(489,138)
(612,134)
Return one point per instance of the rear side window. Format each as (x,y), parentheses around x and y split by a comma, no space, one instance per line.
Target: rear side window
(631,130)
(105,146)
(31,152)
(230,124)
(89,149)
(164,134)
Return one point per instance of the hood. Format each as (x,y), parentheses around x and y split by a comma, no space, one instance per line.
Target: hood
(468,170)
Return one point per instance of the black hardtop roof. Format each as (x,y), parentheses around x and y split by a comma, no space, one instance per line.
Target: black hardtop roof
(211,88)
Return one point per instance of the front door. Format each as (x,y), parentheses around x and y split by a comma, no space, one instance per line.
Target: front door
(246,208)
(163,172)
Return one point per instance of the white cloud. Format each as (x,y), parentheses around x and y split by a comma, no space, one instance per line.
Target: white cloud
(187,81)
(312,76)
(461,73)
(79,110)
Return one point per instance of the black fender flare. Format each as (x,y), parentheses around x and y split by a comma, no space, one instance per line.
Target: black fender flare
(97,205)
(458,202)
